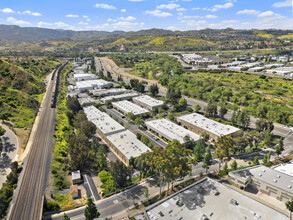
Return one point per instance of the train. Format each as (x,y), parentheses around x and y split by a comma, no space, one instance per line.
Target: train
(55,76)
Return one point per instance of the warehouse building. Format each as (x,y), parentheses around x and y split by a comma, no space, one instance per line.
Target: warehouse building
(148,102)
(286,168)
(107,92)
(126,145)
(93,84)
(207,199)
(125,96)
(170,130)
(84,76)
(266,180)
(122,142)
(87,100)
(200,124)
(127,107)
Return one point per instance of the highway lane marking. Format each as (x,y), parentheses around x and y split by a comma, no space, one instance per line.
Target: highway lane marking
(135,195)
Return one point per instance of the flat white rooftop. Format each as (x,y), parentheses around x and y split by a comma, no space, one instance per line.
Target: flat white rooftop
(149,101)
(127,107)
(208,199)
(207,124)
(85,75)
(87,100)
(128,144)
(98,83)
(171,130)
(286,168)
(113,91)
(121,96)
(76,175)
(103,122)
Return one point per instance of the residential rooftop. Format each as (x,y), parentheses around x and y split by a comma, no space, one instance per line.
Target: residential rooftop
(127,107)
(265,174)
(208,199)
(103,121)
(149,101)
(170,130)
(207,124)
(128,144)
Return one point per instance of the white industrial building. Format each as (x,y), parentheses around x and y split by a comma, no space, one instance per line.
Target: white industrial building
(201,124)
(286,168)
(122,142)
(107,92)
(257,69)
(84,76)
(148,102)
(207,199)
(271,182)
(170,130)
(87,100)
(93,84)
(126,145)
(129,107)
(273,65)
(125,96)
(282,71)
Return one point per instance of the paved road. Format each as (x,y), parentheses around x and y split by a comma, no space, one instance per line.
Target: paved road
(92,188)
(27,203)
(9,153)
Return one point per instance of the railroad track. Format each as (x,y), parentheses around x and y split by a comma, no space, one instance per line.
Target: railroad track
(28,203)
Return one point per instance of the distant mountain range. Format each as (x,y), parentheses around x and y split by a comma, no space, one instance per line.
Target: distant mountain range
(33,37)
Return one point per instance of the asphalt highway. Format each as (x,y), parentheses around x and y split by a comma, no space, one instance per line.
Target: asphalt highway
(29,196)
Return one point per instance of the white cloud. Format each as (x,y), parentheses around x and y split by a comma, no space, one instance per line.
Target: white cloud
(111,20)
(15,21)
(266,14)
(196,9)
(168,6)
(286,3)
(126,25)
(85,16)
(193,23)
(36,14)
(123,10)
(27,12)
(54,25)
(7,10)
(224,6)
(72,16)
(181,9)
(83,23)
(158,13)
(171,28)
(211,16)
(105,6)
(229,21)
(248,12)
(190,17)
(129,18)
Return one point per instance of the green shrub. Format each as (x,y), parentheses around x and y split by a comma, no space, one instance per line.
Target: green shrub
(52,206)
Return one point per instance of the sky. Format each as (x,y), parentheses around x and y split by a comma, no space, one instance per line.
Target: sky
(133,15)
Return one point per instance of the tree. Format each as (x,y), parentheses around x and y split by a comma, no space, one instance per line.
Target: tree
(183,103)
(108,104)
(223,147)
(268,138)
(154,89)
(73,104)
(234,165)
(78,150)
(121,174)
(2,131)
(146,193)
(280,146)
(265,159)
(138,121)
(223,111)
(140,164)
(91,210)
(65,217)
(225,168)
(211,110)
(197,108)
(87,128)
(199,150)
(130,116)
(144,139)
(207,160)
(255,161)
(173,94)
(289,206)
(171,116)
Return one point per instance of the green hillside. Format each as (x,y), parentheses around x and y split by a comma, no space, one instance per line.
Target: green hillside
(22,86)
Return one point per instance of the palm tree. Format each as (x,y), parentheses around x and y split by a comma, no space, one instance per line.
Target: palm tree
(289,206)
